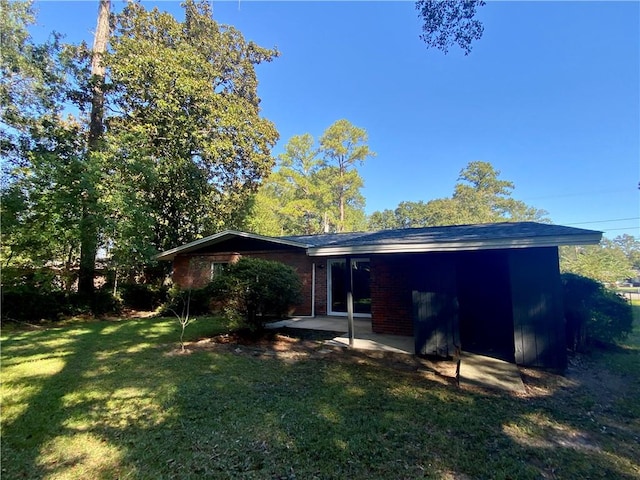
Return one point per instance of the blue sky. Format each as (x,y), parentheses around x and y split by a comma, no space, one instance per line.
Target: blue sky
(550,95)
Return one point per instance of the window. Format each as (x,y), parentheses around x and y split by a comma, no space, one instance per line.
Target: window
(217,268)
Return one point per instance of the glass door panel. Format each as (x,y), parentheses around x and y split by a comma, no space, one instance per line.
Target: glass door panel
(360,279)
(338,290)
(359,276)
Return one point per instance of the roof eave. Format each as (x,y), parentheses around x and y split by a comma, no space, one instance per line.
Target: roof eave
(530,242)
(169,255)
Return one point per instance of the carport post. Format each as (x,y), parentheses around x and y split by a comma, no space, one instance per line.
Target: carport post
(349,285)
(350,316)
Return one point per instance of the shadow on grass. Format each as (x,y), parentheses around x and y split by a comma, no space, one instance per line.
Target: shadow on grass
(119,401)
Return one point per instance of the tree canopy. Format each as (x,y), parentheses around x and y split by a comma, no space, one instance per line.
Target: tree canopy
(480,196)
(449,22)
(42,171)
(315,189)
(609,262)
(184,145)
(188,129)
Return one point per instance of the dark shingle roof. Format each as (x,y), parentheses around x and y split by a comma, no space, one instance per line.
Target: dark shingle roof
(325,239)
(442,234)
(445,238)
(453,237)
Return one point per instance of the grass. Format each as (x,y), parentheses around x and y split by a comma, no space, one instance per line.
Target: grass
(116,399)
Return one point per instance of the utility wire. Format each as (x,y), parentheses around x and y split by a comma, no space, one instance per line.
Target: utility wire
(604,221)
(622,228)
(578,194)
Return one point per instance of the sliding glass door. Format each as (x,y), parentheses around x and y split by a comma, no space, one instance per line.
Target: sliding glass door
(359,276)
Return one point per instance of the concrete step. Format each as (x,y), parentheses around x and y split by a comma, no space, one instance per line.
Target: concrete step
(486,372)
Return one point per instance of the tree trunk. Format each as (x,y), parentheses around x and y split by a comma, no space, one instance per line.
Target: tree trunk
(89,200)
(343,169)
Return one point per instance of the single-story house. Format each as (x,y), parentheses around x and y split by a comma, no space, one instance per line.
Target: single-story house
(493,289)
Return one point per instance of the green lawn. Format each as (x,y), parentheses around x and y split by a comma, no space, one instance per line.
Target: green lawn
(114,399)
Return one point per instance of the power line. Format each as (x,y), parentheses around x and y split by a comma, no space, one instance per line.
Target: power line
(578,194)
(604,221)
(622,228)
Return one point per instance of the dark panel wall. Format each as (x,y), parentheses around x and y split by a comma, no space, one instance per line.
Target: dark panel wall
(539,329)
(484,293)
(435,305)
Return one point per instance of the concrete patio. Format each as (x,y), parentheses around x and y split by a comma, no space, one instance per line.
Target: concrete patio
(475,370)
(364,339)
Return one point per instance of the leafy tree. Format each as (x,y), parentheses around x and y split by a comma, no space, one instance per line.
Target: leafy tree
(383,220)
(630,246)
(32,80)
(343,146)
(189,131)
(55,168)
(480,196)
(450,22)
(39,215)
(298,186)
(42,171)
(605,263)
(89,196)
(184,146)
(314,189)
(264,216)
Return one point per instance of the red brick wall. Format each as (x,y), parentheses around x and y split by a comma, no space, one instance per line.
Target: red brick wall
(391,304)
(321,285)
(195,271)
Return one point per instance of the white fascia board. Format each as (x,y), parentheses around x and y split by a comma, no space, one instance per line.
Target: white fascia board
(489,244)
(220,237)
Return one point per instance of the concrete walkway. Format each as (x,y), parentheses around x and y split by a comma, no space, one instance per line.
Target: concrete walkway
(475,370)
(377,342)
(487,372)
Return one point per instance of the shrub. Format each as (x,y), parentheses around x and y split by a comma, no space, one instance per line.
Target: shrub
(594,313)
(253,289)
(140,296)
(27,303)
(103,302)
(199,300)
(30,303)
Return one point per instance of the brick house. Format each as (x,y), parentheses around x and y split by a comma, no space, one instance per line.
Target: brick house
(493,289)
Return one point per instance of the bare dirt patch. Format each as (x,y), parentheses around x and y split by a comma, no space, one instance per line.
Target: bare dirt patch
(581,374)
(291,346)
(294,345)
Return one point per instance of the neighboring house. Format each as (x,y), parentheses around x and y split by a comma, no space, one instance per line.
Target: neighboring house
(493,289)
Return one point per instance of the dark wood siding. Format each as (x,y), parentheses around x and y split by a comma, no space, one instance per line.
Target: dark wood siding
(435,305)
(536,288)
(486,319)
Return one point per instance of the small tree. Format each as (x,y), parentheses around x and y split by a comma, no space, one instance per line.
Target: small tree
(253,288)
(184,317)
